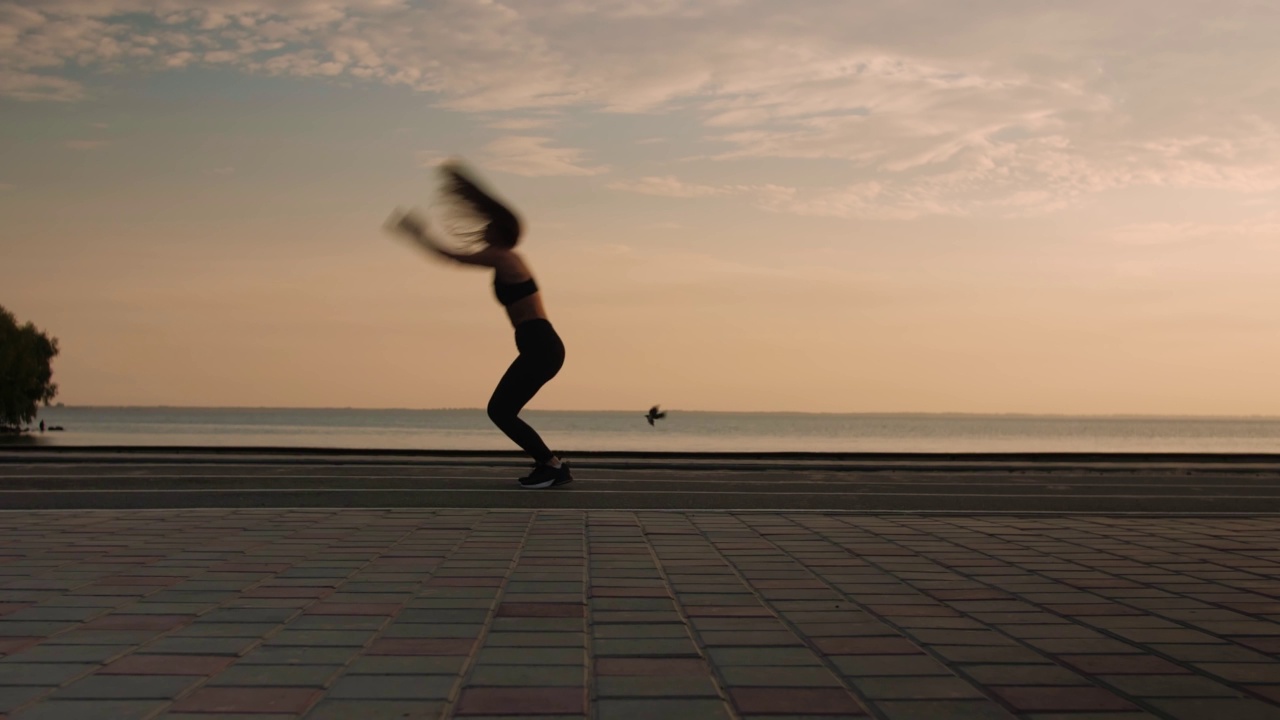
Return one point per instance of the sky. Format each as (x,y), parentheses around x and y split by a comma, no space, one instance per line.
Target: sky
(744,205)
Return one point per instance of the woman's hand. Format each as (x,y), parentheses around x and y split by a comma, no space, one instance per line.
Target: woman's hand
(407,223)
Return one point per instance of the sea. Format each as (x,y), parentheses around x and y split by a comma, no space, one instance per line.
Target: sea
(679,431)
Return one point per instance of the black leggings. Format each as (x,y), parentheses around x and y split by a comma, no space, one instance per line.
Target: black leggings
(541,356)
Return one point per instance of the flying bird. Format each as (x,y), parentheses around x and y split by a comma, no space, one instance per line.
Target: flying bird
(654,414)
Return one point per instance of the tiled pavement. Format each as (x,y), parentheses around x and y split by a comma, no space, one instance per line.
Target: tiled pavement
(418,613)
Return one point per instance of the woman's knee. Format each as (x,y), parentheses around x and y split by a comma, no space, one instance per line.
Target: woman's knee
(499,412)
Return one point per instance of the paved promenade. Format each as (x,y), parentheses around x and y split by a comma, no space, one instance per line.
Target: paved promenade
(367,614)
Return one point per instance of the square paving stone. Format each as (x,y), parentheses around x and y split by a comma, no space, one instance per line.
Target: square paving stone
(431,630)
(634,616)
(762,656)
(167,665)
(731,638)
(376,710)
(671,630)
(14,696)
(1212,653)
(1244,672)
(200,646)
(67,654)
(436,603)
(913,688)
(77,709)
(199,629)
(1061,699)
(960,637)
(248,700)
(391,687)
(806,701)
(52,613)
(319,638)
(337,622)
(244,674)
(298,655)
(660,647)
(778,676)
(100,637)
(657,667)
(888,665)
(655,686)
(521,701)
(537,625)
(944,709)
(32,629)
(248,615)
(1024,675)
(41,673)
(125,687)
(1122,665)
(538,656)
(1156,686)
(599,604)
(981,654)
(1224,709)
(661,709)
(464,616)
(535,639)
(868,646)
(527,675)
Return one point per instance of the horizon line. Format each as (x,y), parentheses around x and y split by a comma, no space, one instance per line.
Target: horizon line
(934,413)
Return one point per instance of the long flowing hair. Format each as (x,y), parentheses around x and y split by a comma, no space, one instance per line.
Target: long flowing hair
(475,214)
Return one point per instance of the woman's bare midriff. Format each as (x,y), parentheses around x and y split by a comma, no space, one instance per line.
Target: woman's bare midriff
(525,309)
(514,270)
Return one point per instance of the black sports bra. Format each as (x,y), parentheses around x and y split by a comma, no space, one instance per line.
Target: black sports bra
(509,293)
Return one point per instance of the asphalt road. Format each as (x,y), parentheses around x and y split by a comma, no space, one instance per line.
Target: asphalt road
(143,478)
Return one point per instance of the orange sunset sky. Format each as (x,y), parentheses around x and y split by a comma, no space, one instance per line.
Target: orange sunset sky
(816,205)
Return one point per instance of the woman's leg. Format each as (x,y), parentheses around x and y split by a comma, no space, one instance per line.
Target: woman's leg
(516,388)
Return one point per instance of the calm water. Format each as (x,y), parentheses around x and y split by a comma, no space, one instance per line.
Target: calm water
(679,432)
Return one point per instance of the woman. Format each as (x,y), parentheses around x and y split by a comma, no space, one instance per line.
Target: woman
(541,352)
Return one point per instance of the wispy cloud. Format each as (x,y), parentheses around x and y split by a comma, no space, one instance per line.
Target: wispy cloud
(536,157)
(522,123)
(1164,233)
(671,186)
(1019,108)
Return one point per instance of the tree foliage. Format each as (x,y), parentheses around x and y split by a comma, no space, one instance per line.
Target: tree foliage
(26,375)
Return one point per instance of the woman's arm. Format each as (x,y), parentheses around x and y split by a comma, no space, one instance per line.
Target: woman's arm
(414,228)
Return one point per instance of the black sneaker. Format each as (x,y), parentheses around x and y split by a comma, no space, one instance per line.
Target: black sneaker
(563,476)
(545,476)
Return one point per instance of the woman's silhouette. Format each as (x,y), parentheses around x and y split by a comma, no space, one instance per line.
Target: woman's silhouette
(541,352)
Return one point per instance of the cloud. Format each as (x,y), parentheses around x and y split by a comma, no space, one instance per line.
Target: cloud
(21,85)
(84,144)
(533,157)
(1164,233)
(670,186)
(522,123)
(946,107)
